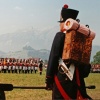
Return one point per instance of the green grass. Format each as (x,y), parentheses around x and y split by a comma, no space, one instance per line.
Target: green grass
(39,80)
(94,79)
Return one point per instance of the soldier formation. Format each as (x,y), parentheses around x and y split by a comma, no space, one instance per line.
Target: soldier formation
(95,68)
(13,65)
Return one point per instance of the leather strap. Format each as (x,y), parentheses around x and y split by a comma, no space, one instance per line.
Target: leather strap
(64,94)
(79,96)
(61,90)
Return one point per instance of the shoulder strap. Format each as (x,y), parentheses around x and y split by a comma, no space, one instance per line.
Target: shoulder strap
(79,96)
(61,90)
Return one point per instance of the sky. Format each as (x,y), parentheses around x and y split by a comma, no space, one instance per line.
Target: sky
(24,14)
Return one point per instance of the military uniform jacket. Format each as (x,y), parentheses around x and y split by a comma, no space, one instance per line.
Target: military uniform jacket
(52,69)
(55,54)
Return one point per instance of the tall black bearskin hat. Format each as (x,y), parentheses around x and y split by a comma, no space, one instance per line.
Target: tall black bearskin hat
(67,13)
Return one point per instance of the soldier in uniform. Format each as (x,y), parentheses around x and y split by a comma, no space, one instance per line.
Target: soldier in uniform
(36,67)
(16,67)
(32,68)
(24,67)
(28,67)
(5,66)
(13,67)
(62,88)
(9,67)
(20,67)
(41,67)
(0,67)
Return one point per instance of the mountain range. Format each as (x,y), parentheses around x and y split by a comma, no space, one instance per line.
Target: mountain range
(37,39)
(31,43)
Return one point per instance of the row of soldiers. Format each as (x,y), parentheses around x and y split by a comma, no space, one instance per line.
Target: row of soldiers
(95,68)
(12,65)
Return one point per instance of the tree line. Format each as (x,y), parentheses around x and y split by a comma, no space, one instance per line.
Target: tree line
(96,58)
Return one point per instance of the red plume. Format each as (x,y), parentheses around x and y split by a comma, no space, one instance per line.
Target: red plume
(65,6)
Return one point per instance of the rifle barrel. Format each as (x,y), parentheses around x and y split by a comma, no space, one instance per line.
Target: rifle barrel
(10,87)
(28,87)
(91,87)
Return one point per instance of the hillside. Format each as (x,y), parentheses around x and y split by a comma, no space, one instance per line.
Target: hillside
(28,52)
(31,43)
(38,39)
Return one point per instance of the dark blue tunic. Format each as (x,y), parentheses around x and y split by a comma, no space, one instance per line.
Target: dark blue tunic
(52,69)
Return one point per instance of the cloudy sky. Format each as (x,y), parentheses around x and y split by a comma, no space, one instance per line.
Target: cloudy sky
(24,14)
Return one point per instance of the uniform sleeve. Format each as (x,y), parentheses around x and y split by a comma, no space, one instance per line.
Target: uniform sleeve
(55,54)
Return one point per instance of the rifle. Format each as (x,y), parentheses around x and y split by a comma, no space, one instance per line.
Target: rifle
(10,87)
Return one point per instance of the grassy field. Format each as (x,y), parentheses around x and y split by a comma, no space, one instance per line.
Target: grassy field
(94,79)
(39,80)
